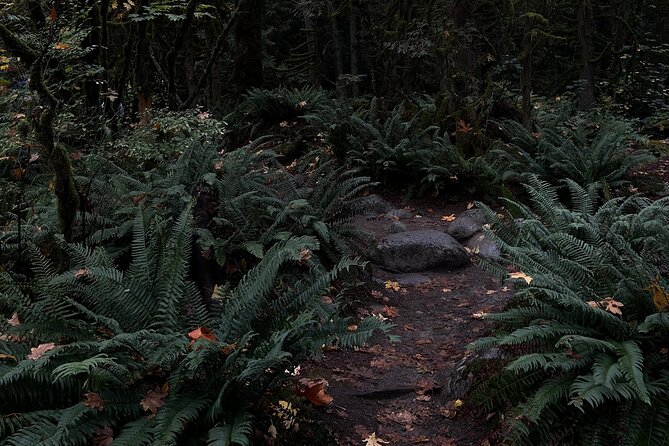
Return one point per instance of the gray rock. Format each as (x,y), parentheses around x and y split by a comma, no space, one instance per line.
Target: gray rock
(406,279)
(483,247)
(396,227)
(467,224)
(420,250)
(398,214)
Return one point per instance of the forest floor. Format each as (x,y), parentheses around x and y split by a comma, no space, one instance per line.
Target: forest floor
(396,390)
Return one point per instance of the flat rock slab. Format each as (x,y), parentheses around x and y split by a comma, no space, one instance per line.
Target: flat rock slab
(399,214)
(406,279)
(420,250)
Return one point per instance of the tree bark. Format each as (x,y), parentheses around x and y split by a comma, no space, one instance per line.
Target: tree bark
(248,69)
(355,47)
(336,45)
(585,38)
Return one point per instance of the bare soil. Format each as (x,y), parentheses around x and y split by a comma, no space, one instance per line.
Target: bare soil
(395,390)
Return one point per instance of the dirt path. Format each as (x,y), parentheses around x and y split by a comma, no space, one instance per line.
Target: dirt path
(397,390)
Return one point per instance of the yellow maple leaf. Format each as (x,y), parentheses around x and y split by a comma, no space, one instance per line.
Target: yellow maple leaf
(608,304)
(61,46)
(660,295)
(521,275)
(390,285)
(448,218)
(373,440)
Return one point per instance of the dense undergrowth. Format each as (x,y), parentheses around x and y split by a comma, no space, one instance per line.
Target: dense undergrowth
(165,266)
(197,270)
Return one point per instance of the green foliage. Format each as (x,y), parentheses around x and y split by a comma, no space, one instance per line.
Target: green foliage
(589,149)
(585,336)
(122,334)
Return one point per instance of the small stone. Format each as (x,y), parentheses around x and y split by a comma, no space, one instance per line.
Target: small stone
(398,214)
(396,227)
(483,247)
(466,224)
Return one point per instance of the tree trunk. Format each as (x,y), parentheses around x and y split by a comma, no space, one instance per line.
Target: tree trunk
(336,46)
(248,70)
(585,38)
(355,47)
(312,44)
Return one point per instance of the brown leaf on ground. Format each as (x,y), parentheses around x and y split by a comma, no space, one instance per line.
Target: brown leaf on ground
(40,350)
(314,391)
(93,400)
(14,320)
(104,436)
(425,386)
(202,333)
(608,304)
(443,441)
(373,440)
(80,273)
(380,363)
(154,400)
(390,311)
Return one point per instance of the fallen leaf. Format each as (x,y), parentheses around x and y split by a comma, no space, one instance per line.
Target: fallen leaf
(34,157)
(154,400)
(448,218)
(305,255)
(479,315)
(390,311)
(463,127)
(377,294)
(390,285)
(470,205)
(104,436)
(93,400)
(80,273)
(446,290)
(314,391)
(202,333)
(352,327)
(40,350)
(660,295)
(5,356)
(61,46)
(521,275)
(373,440)
(609,304)
(423,398)
(443,441)
(14,320)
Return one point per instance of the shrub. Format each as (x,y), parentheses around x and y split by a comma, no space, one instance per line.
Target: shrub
(137,355)
(585,336)
(589,149)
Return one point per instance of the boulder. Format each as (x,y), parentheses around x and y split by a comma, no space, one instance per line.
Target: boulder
(467,224)
(420,250)
(483,247)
